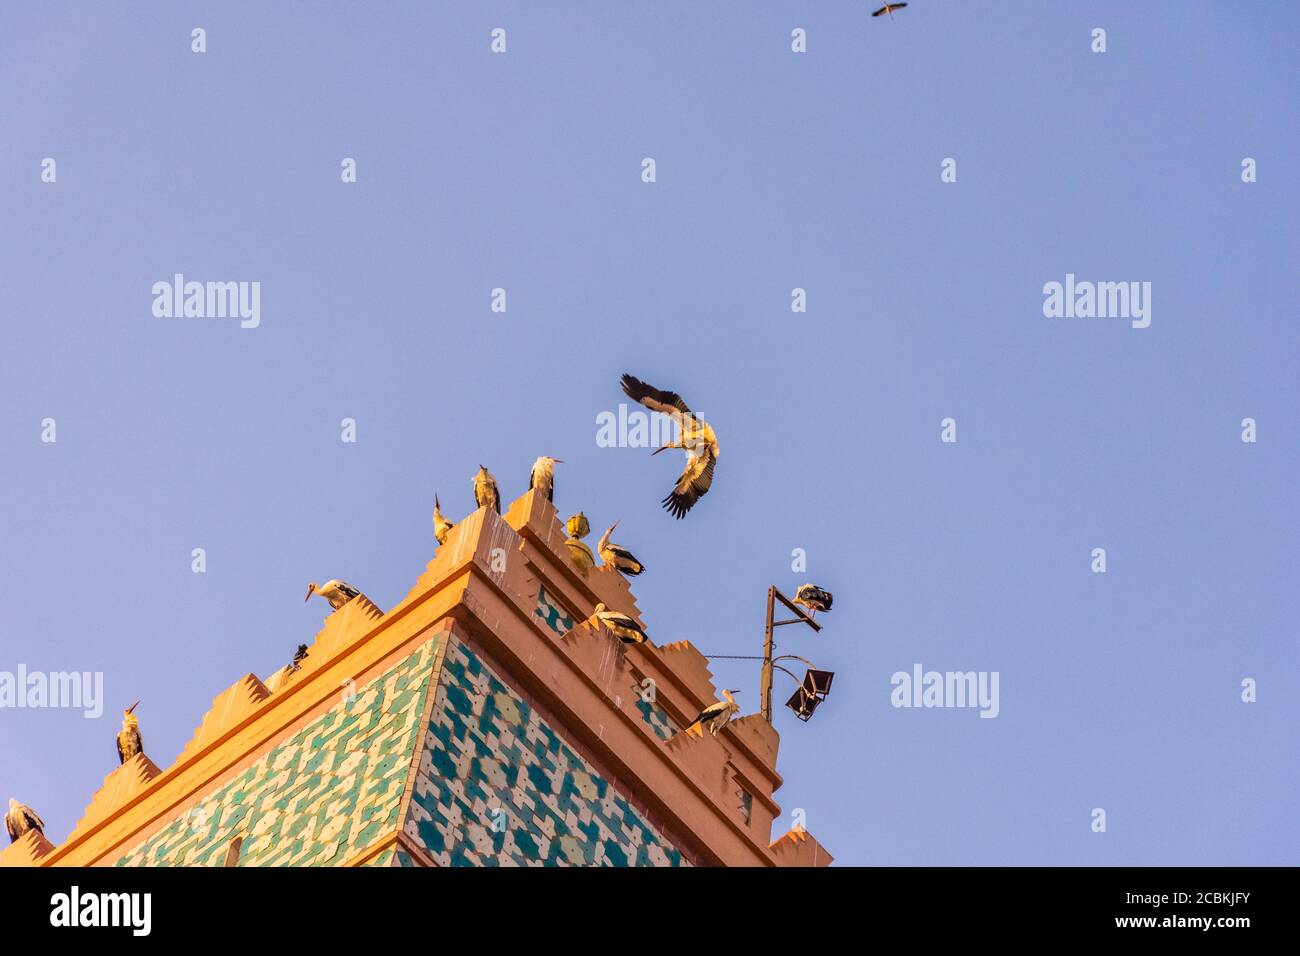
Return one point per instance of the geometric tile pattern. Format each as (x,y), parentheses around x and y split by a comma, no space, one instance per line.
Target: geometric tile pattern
(552,615)
(497,786)
(653,714)
(333,787)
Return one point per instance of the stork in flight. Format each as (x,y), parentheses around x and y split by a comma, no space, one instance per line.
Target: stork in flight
(337,592)
(697,440)
(889,8)
(715,716)
(617,556)
(20,819)
(485,490)
(620,625)
(441,526)
(129,741)
(542,477)
(813,598)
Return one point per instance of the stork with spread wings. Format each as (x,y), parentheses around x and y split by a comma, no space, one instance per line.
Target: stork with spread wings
(696,438)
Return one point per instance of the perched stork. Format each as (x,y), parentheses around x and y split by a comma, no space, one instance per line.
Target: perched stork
(542,477)
(129,741)
(697,440)
(813,598)
(578,526)
(889,8)
(715,716)
(20,819)
(617,556)
(299,656)
(441,526)
(623,627)
(485,490)
(337,592)
(581,554)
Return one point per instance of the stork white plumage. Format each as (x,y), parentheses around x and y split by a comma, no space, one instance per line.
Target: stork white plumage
(441,526)
(813,598)
(619,624)
(542,477)
(21,819)
(337,592)
(617,556)
(486,494)
(715,716)
(696,439)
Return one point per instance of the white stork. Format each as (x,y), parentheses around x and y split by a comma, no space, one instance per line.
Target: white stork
(715,716)
(485,490)
(621,625)
(20,819)
(129,741)
(542,477)
(889,8)
(617,556)
(337,592)
(697,440)
(813,598)
(441,526)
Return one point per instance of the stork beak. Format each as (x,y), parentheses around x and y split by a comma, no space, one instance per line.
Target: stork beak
(658,450)
(310,589)
(435,502)
(558,461)
(133,707)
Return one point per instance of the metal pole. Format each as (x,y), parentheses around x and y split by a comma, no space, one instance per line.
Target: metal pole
(766,684)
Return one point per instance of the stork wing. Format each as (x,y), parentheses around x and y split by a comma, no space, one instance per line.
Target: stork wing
(31,815)
(710,711)
(121,755)
(11,829)
(880,11)
(669,403)
(693,483)
(347,590)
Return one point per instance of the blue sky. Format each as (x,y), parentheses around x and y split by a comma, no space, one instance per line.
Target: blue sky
(774,171)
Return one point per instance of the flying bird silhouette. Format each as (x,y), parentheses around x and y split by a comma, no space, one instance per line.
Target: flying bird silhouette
(889,8)
(697,440)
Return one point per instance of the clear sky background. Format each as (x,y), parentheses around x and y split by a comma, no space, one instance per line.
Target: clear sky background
(775,171)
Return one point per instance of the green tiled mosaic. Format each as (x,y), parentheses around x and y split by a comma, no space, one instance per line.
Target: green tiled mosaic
(332,788)
(498,787)
(552,615)
(653,714)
